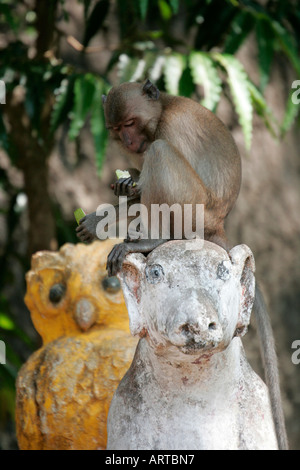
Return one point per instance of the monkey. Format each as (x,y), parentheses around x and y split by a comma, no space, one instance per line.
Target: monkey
(185,167)
(181,153)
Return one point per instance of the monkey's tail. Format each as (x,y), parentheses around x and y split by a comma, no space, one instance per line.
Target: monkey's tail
(269,358)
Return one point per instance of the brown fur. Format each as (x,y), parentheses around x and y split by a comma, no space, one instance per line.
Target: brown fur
(190,156)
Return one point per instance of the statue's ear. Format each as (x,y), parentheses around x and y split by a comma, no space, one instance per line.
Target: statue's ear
(104,99)
(151,90)
(133,270)
(244,266)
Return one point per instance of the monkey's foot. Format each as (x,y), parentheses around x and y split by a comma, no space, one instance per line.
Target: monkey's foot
(117,255)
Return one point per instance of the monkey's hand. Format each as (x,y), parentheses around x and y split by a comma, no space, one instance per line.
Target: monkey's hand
(86,231)
(118,253)
(125,187)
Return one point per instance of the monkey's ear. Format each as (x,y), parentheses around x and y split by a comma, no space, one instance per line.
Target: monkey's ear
(151,90)
(104,99)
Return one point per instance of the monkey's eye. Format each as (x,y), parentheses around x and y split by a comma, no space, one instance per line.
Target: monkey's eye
(57,292)
(111,284)
(129,123)
(154,273)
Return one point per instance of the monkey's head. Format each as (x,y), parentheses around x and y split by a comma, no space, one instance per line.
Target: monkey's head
(132,112)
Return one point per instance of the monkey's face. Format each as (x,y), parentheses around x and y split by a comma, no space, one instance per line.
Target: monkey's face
(131,134)
(132,112)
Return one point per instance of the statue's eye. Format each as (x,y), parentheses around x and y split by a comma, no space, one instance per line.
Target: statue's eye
(57,292)
(154,273)
(223,271)
(111,284)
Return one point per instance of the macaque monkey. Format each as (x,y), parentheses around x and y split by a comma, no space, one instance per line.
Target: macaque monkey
(182,153)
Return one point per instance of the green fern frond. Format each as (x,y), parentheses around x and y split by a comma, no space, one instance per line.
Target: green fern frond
(204,73)
(238,83)
(173,69)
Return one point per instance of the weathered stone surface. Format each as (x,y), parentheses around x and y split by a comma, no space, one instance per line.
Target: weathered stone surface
(190,385)
(65,388)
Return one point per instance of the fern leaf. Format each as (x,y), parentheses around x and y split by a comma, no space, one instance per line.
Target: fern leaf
(173,69)
(204,73)
(238,83)
(263,110)
(156,69)
(130,69)
(291,112)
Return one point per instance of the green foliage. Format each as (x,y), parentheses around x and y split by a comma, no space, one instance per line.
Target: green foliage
(276,27)
(238,83)
(98,128)
(204,73)
(13,360)
(63,103)
(80,96)
(197,72)
(95,20)
(174,66)
(84,90)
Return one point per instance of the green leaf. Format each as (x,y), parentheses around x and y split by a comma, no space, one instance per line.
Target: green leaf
(217,17)
(6,11)
(4,140)
(156,70)
(292,110)
(173,69)
(142,7)
(96,20)
(79,214)
(238,83)
(240,29)
(165,10)
(186,84)
(98,128)
(266,46)
(87,4)
(6,322)
(175,6)
(288,44)
(204,73)
(263,110)
(130,69)
(63,104)
(84,89)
